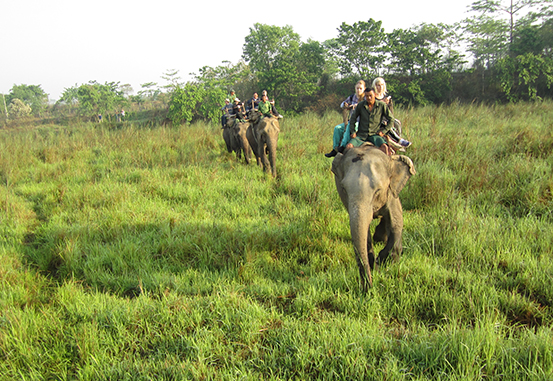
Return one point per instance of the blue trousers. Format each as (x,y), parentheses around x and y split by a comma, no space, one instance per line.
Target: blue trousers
(341,136)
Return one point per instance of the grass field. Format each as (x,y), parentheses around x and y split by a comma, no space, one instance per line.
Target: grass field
(135,253)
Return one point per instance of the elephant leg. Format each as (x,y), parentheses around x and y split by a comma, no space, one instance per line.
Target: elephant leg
(370,251)
(365,276)
(394,223)
(381,233)
(247,150)
(272,156)
(264,159)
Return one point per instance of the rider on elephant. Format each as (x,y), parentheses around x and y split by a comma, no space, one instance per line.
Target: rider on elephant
(272,102)
(252,103)
(238,110)
(394,138)
(227,110)
(265,107)
(340,136)
(371,113)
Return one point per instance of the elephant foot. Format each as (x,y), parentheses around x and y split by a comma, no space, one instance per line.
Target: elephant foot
(383,257)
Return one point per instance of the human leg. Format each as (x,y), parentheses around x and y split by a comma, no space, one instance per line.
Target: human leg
(337,137)
(380,142)
(275,112)
(393,133)
(354,142)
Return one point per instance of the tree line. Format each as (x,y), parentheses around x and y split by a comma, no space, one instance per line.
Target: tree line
(502,52)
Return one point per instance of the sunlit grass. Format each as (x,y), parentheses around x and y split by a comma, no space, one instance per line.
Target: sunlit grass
(129,252)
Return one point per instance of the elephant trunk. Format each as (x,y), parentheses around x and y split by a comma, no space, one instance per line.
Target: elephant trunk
(271,144)
(360,217)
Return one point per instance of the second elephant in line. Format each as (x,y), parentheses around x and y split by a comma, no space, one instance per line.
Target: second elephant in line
(259,134)
(234,134)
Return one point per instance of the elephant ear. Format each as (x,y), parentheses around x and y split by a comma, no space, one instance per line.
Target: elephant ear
(402,169)
(337,167)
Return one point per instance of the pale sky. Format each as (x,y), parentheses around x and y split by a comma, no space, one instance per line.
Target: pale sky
(61,43)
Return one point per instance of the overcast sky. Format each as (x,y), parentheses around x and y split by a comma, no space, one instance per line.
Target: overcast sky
(60,43)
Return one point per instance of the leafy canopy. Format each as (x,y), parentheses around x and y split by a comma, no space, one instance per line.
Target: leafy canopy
(31,95)
(284,66)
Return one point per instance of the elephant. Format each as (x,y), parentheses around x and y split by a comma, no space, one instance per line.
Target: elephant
(234,134)
(368,182)
(263,138)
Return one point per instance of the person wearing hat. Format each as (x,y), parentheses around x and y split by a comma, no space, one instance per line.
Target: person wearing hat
(371,113)
(238,110)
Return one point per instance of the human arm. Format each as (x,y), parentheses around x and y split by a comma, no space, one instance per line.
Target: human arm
(389,103)
(387,114)
(347,103)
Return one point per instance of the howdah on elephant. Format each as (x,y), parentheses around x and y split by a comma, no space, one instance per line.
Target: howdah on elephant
(368,182)
(263,137)
(234,134)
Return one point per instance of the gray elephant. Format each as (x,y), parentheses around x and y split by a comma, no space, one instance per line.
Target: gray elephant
(369,183)
(234,134)
(263,137)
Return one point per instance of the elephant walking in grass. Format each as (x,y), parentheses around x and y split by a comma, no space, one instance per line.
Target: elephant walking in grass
(263,138)
(234,134)
(368,182)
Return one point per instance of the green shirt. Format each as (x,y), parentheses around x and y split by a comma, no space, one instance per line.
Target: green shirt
(370,121)
(265,107)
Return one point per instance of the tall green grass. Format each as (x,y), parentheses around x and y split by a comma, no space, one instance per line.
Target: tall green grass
(132,252)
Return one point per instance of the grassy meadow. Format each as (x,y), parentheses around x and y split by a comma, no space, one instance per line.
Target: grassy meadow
(142,253)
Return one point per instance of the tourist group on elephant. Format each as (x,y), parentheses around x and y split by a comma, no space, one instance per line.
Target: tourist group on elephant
(252,127)
(368,172)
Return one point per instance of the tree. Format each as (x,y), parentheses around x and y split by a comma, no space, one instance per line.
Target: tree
(95,98)
(68,101)
(173,79)
(126,89)
(69,95)
(422,49)
(149,91)
(18,109)
(360,48)
(282,64)
(546,37)
(237,77)
(519,76)
(535,9)
(32,95)
(486,39)
(491,37)
(424,58)
(193,101)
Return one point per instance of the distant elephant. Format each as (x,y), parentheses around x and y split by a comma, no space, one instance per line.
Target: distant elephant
(234,134)
(263,138)
(369,183)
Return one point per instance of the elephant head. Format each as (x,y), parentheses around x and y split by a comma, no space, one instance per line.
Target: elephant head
(234,134)
(369,183)
(228,134)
